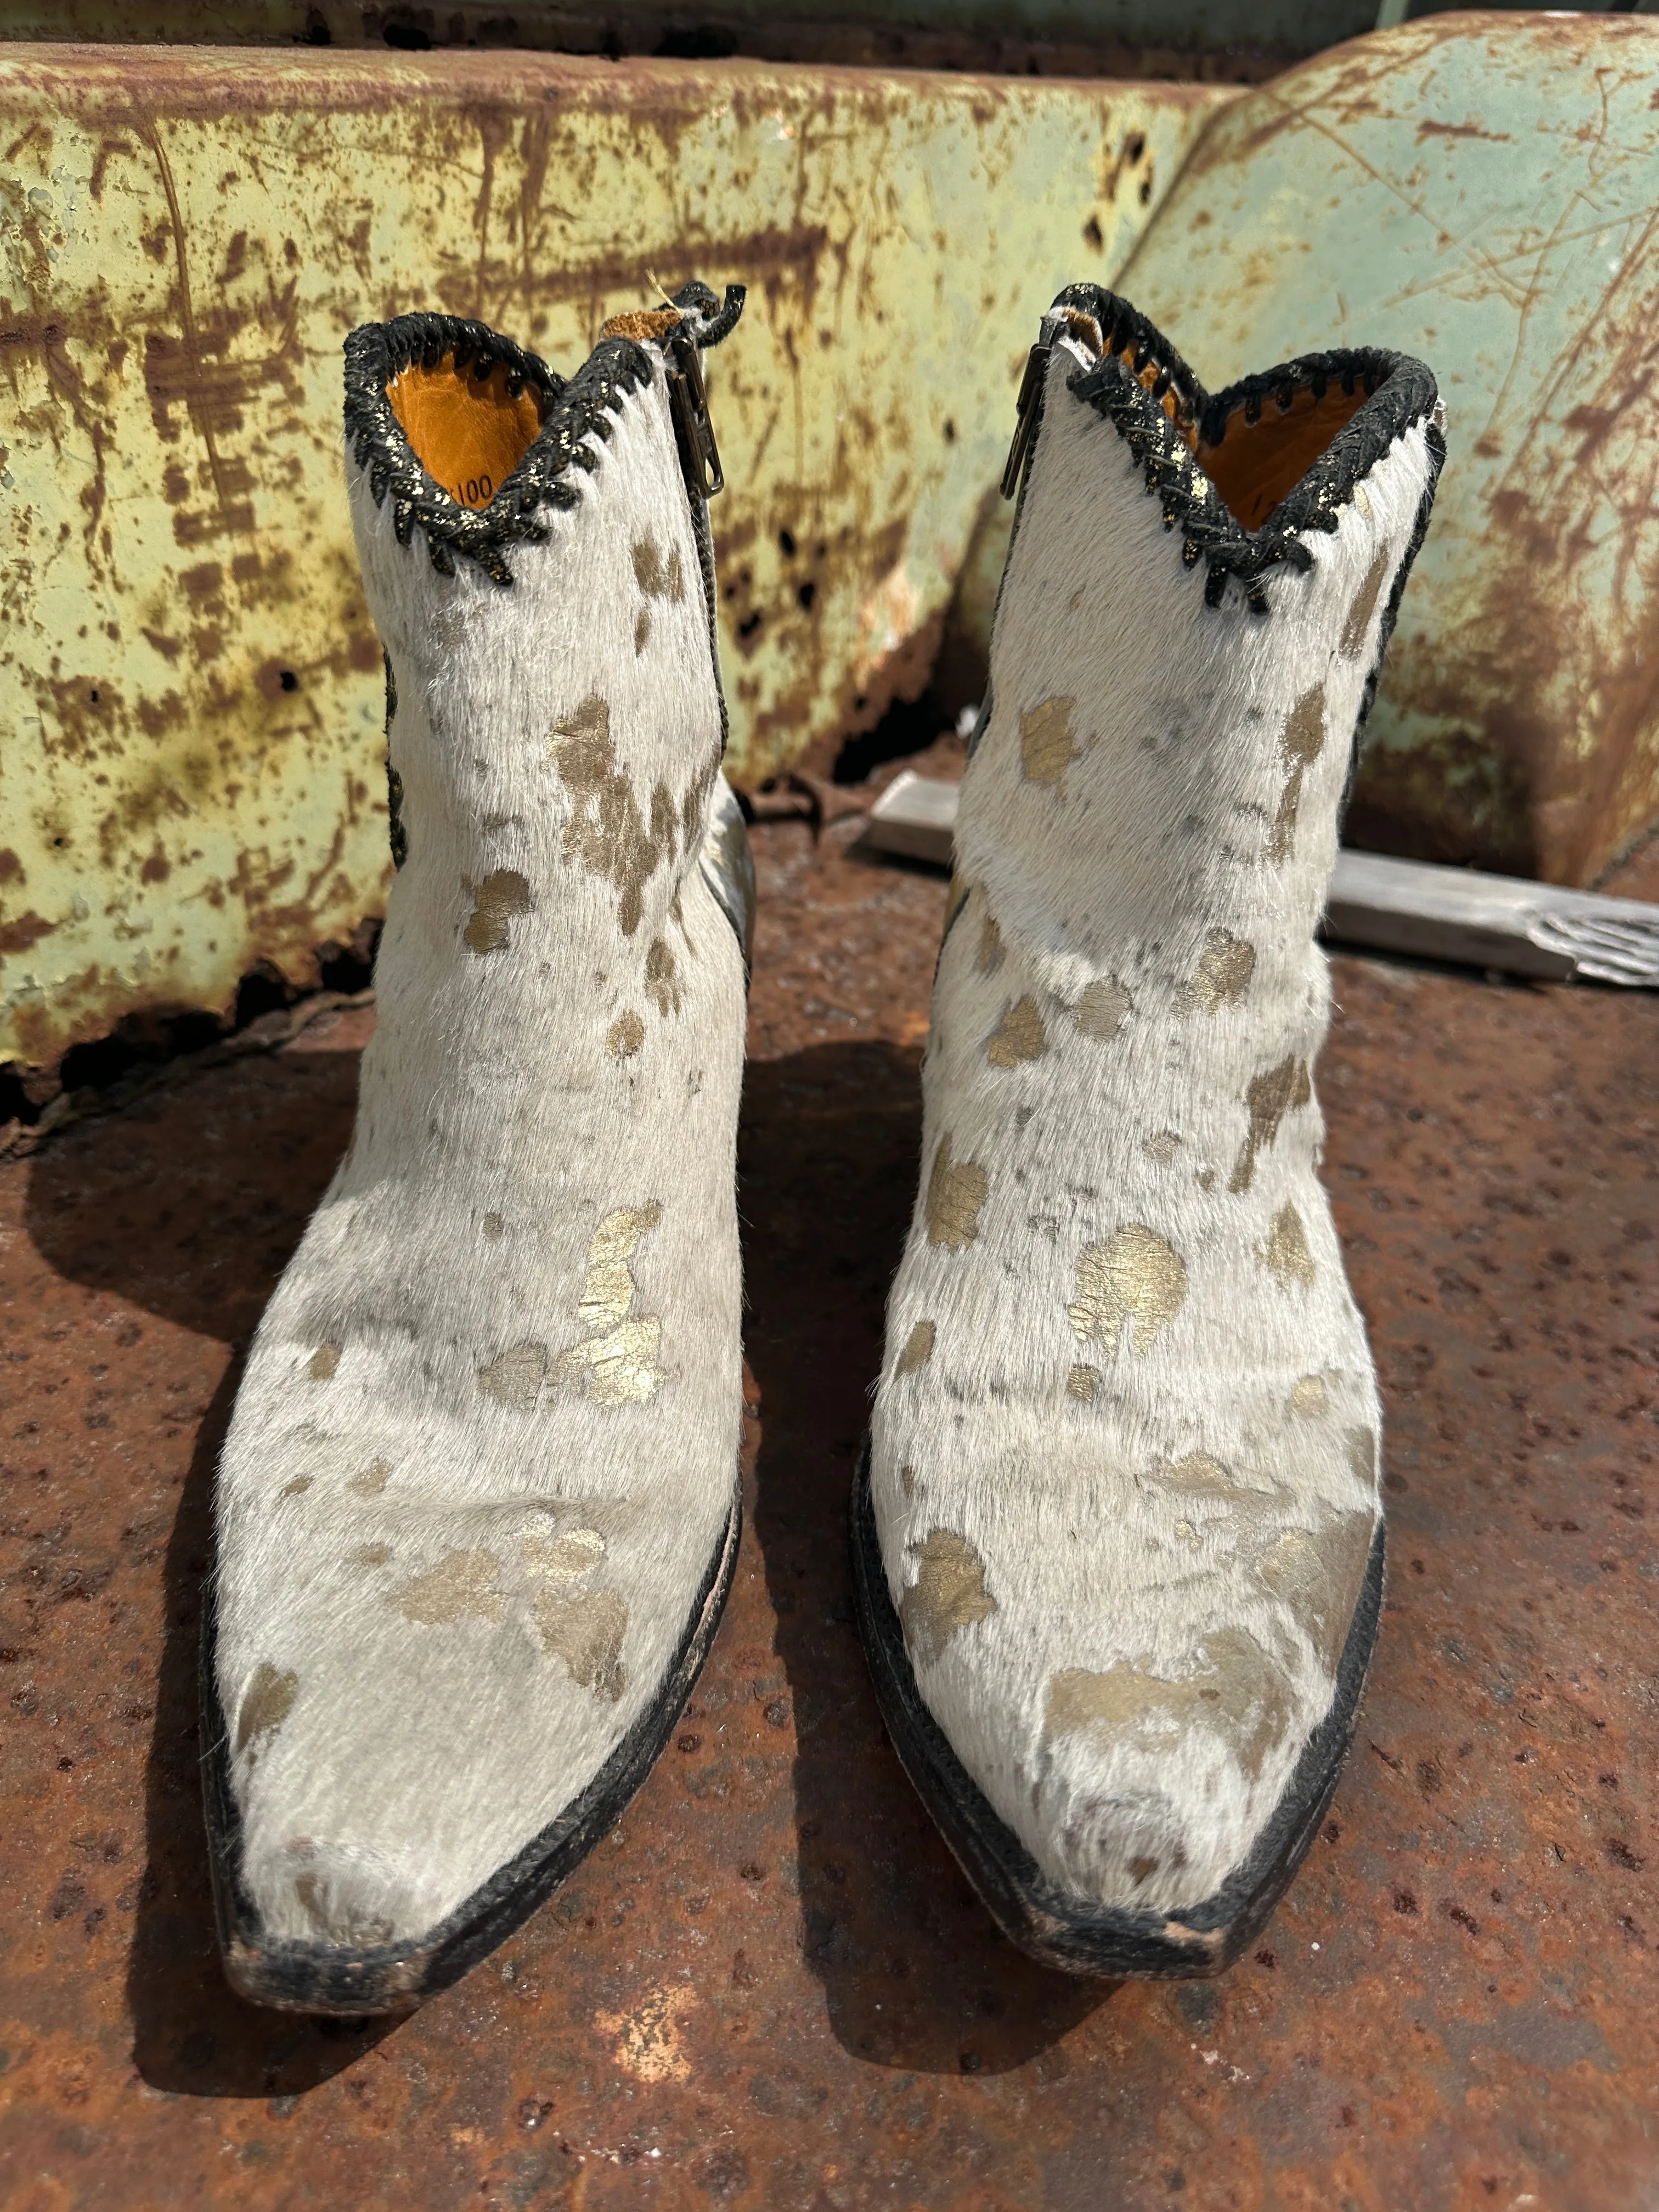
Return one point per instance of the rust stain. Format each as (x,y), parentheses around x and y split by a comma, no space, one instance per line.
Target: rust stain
(170,345)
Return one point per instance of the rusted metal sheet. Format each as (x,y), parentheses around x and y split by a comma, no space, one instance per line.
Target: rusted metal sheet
(190,689)
(770,1989)
(1481,191)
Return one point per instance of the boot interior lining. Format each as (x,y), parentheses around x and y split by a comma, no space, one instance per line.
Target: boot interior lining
(469,433)
(1254,465)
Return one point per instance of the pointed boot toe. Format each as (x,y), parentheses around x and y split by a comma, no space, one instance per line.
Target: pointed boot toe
(476,1514)
(1118,1536)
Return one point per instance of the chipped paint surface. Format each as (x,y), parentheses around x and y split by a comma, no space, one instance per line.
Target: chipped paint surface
(191,691)
(1480,191)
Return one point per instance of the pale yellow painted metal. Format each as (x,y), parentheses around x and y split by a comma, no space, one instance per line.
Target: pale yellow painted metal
(191,706)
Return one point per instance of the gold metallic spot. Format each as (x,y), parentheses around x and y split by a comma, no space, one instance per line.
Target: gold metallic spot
(1300,744)
(370,1555)
(458,1586)
(1286,1254)
(515,1377)
(608,1290)
(1319,1577)
(1187,1535)
(1309,1396)
(1357,626)
(620,1364)
(624,1367)
(266,1704)
(1271,1096)
(1134,1277)
(918,1349)
(493,1226)
(1236,1691)
(1221,977)
(657,579)
(587,1633)
(373,1479)
(611,841)
(1045,749)
(948,1594)
(1104,1008)
(955,1195)
(1198,1475)
(503,894)
(299,1485)
(659,978)
(1161,1148)
(1019,1035)
(1084,1384)
(1362,1454)
(625,1037)
(991,953)
(324,1361)
(575,1554)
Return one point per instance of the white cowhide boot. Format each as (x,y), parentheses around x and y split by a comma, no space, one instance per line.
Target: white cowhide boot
(1118,1538)
(477,1511)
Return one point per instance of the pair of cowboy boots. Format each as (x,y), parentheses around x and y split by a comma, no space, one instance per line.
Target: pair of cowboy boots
(1117,1536)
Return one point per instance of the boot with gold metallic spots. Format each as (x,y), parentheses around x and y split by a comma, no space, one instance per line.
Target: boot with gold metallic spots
(1118,1534)
(477,1512)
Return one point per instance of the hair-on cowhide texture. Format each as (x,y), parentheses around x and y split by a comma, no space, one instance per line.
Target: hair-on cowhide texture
(486,1444)
(1126,1443)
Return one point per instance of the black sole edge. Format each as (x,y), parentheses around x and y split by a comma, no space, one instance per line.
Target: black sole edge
(1052,1924)
(322,1978)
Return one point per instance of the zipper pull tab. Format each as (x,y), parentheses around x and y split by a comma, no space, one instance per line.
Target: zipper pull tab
(693,433)
(1030,388)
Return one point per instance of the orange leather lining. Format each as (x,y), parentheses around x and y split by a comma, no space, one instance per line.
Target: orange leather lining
(1254,466)
(469,436)
(642,323)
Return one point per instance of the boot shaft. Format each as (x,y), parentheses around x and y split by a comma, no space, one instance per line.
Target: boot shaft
(1196,602)
(555,713)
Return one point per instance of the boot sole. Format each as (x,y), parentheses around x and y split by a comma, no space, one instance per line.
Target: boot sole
(330,1978)
(1055,1926)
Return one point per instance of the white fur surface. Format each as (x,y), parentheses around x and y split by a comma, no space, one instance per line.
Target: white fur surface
(513,1467)
(1125,1609)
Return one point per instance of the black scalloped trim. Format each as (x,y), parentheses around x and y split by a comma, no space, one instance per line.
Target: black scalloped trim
(1398,393)
(572,414)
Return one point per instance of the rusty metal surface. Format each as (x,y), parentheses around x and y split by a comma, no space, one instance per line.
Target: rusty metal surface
(771,1990)
(1479,189)
(190,697)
